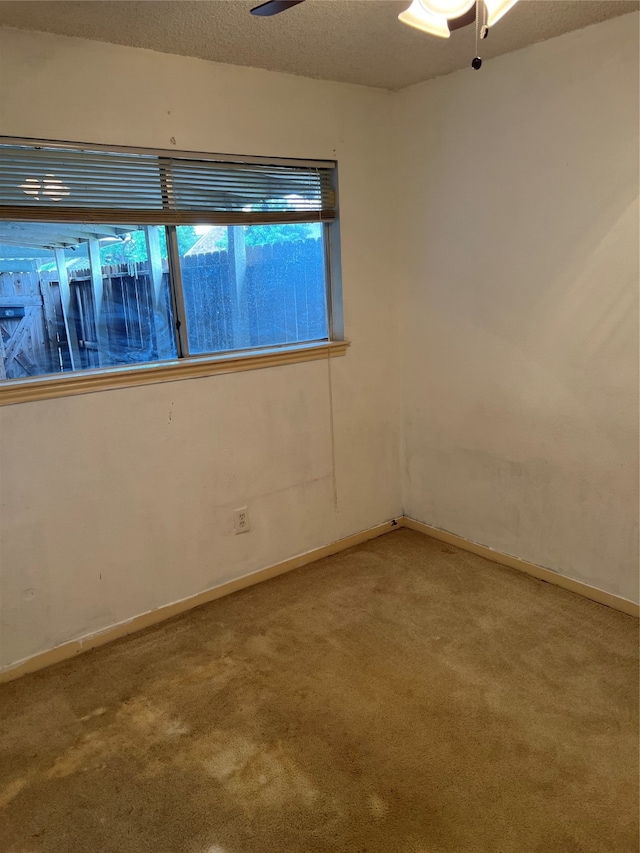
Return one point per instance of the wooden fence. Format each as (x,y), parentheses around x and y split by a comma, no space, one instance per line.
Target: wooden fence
(281,300)
(30,339)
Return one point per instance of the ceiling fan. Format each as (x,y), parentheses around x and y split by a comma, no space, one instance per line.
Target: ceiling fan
(437,17)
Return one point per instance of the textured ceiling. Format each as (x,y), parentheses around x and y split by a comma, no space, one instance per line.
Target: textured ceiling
(352,41)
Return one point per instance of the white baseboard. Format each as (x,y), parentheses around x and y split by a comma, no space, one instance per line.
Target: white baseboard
(153,617)
(592,592)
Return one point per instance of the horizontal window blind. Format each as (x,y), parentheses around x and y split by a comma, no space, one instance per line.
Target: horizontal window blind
(65,185)
(210,186)
(39,177)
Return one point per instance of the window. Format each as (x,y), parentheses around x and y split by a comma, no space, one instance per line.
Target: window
(125,258)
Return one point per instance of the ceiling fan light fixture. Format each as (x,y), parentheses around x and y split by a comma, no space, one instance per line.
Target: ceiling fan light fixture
(448,8)
(432,16)
(417,16)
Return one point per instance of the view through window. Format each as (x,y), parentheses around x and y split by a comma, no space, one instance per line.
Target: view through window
(78,295)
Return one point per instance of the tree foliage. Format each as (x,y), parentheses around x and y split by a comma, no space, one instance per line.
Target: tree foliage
(132,248)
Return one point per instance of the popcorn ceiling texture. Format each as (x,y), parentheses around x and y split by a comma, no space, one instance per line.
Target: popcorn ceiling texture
(350,41)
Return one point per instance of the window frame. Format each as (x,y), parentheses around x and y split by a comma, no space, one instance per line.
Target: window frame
(46,386)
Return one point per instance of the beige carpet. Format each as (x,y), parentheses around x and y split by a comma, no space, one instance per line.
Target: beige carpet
(403,697)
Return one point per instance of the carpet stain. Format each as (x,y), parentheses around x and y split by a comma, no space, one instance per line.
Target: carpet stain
(400,697)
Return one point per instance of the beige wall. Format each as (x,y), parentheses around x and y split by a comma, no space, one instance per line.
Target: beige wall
(513,255)
(118,502)
(520,310)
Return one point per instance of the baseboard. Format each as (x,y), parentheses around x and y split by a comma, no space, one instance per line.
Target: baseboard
(153,617)
(592,592)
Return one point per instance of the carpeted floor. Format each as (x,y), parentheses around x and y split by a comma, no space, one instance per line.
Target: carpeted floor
(401,697)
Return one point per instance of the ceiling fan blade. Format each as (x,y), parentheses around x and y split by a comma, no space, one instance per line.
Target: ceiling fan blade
(274,7)
(464,20)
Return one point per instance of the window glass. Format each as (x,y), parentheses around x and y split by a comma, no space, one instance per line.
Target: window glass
(80,296)
(252,285)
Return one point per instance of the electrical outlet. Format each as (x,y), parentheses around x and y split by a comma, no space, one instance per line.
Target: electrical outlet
(241,520)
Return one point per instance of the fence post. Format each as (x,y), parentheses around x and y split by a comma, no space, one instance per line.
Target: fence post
(65,300)
(50,321)
(164,333)
(238,280)
(95,267)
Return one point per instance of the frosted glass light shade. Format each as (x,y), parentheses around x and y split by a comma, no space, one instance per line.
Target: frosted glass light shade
(448,8)
(416,16)
(431,16)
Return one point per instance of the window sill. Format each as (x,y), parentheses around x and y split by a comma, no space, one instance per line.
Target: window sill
(90,381)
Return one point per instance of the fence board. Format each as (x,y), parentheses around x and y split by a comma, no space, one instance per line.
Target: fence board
(285,303)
